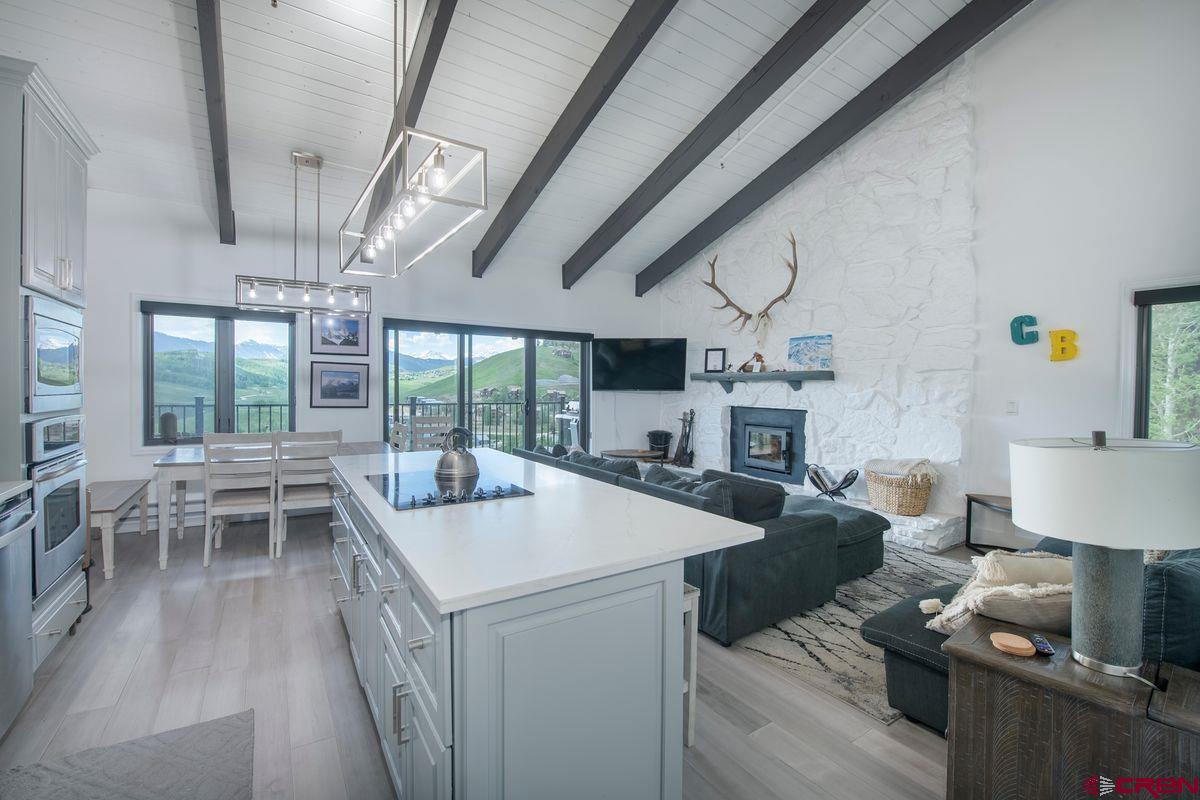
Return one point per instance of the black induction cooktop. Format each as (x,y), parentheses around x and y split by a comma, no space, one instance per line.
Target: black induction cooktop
(410,490)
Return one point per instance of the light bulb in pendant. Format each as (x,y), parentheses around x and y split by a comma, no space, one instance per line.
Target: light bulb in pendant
(397,221)
(279,292)
(330,298)
(354,297)
(253,289)
(408,208)
(388,232)
(369,251)
(307,296)
(422,189)
(378,242)
(437,173)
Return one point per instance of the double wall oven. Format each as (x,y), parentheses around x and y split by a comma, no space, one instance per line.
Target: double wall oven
(58,470)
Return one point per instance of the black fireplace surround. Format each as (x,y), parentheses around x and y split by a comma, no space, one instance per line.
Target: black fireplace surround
(767,443)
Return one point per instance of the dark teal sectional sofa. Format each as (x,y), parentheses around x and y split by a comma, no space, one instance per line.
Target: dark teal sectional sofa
(746,588)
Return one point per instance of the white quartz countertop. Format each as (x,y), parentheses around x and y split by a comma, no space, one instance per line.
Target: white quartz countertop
(10,488)
(572,529)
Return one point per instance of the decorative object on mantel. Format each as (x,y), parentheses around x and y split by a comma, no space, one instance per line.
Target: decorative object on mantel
(794,379)
(426,189)
(900,486)
(290,295)
(811,352)
(823,480)
(755,363)
(1070,488)
(683,450)
(714,359)
(760,322)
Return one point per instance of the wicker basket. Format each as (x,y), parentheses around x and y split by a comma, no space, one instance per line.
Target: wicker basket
(906,495)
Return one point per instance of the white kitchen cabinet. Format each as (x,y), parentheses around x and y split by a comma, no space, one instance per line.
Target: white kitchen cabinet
(54,154)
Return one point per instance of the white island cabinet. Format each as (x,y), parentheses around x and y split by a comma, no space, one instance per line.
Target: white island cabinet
(522,648)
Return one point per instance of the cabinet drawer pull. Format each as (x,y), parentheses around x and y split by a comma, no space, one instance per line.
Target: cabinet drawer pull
(419,642)
(388,588)
(399,692)
(55,632)
(342,540)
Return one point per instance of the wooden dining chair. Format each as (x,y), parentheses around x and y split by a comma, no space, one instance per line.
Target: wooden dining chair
(302,473)
(239,478)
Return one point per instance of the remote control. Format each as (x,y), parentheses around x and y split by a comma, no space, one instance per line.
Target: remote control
(1041,645)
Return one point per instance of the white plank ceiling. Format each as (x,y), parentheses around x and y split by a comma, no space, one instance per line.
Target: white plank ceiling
(316,75)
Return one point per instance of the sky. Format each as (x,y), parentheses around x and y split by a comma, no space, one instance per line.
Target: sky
(424,344)
(204,330)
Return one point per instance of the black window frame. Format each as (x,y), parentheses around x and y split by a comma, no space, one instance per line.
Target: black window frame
(463,330)
(1145,300)
(223,317)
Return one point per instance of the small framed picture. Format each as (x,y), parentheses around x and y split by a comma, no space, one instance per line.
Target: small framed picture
(714,359)
(335,335)
(339,385)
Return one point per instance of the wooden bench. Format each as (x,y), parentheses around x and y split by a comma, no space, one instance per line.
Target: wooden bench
(108,502)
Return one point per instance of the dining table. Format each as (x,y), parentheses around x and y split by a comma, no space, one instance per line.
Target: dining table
(186,463)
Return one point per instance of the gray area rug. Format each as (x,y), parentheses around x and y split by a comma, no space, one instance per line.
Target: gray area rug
(823,646)
(210,761)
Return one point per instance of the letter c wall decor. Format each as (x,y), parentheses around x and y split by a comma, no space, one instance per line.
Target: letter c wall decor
(1018,329)
(1063,342)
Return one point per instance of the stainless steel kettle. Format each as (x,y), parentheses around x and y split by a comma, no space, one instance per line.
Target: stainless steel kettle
(456,467)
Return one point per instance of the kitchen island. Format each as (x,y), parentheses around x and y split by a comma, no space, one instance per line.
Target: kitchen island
(522,646)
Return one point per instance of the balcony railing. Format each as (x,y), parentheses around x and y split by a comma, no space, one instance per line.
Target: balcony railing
(197,417)
(499,424)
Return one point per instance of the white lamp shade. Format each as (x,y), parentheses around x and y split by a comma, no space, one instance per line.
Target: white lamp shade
(1134,494)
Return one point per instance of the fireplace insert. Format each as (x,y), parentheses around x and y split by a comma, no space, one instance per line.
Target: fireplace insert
(768,448)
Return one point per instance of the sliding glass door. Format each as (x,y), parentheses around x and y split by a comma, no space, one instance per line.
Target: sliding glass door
(510,388)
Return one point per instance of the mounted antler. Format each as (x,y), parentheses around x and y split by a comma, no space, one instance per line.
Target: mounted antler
(743,315)
(761,320)
(765,315)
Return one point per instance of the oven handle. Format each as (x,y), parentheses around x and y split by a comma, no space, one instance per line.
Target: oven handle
(21,530)
(74,465)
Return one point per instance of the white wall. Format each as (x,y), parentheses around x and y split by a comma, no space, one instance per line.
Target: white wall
(1086,117)
(147,249)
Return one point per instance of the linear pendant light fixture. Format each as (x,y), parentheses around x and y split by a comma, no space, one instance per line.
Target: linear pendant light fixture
(316,297)
(426,189)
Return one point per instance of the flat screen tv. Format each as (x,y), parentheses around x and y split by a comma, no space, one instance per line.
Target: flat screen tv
(647,365)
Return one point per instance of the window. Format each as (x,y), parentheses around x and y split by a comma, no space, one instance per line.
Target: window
(216,369)
(511,388)
(1167,403)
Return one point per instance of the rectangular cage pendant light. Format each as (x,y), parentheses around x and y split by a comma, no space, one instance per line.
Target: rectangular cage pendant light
(265,293)
(426,189)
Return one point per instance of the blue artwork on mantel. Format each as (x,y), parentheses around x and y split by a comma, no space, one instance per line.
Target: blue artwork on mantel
(811,352)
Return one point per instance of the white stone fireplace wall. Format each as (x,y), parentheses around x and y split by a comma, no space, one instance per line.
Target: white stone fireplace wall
(884,231)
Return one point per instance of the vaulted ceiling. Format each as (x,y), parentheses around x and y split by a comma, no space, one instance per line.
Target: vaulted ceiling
(317,75)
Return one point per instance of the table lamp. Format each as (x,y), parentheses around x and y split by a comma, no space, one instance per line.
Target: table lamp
(1112,499)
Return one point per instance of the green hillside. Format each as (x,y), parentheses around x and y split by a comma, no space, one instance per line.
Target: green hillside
(181,375)
(501,371)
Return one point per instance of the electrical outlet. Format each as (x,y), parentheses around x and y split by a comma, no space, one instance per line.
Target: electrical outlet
(1012,408)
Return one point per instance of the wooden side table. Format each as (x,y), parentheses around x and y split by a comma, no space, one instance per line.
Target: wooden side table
(110,501)
(691,623)
(1041,727)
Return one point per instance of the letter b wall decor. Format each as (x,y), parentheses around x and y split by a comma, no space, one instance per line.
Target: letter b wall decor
(1063,342)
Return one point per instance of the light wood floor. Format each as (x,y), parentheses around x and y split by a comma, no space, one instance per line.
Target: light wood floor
(162,650)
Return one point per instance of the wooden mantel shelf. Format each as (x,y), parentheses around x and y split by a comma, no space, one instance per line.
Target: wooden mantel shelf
(794,378)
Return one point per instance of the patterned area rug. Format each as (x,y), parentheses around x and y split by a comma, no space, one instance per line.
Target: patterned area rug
(210,761)
(823,646)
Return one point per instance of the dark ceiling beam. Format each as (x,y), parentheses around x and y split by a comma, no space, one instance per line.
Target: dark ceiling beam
(431,35)
(632,35)
(955,37)
(802,41)
(208,25)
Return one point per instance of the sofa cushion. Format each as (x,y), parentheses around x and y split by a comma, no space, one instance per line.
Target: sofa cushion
(753,499)
(854,524)
(901,629)
(618,466)
(661,476)
(712,497)
(1172,597)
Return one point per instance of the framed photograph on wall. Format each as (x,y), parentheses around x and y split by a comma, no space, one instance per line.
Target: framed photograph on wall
(714,359)
(338,385)
(335,335)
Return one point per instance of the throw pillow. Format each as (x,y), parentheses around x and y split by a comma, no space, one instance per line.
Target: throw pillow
(1028,589)
(661,476)
(753,500)
(541,449)
(620,466)
(717,496)
(1172,597)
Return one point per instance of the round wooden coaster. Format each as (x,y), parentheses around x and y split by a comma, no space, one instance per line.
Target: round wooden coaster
(1012,644)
